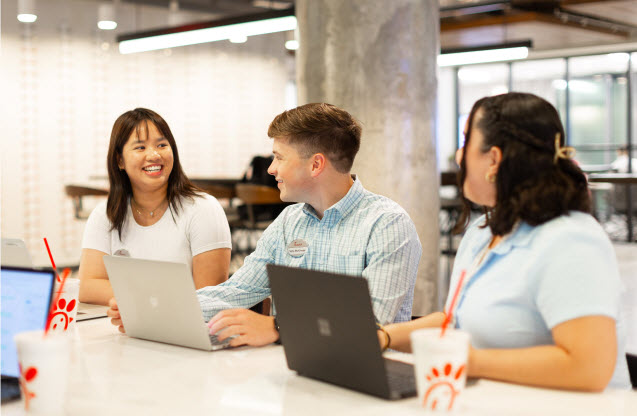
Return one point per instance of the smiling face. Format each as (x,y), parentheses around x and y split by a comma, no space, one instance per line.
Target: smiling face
(147,159)
(291,170)
(478,165)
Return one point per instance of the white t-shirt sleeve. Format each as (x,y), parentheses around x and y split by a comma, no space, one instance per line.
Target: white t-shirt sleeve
(208,227)
(579,279)
(97,233)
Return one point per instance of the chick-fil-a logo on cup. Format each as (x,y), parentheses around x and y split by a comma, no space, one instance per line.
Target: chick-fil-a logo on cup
(65,309)
(26,377)
(445,386)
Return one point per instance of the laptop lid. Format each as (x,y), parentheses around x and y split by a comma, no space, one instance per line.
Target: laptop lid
(25,302)
(157,301)
(328,329)
(15,253)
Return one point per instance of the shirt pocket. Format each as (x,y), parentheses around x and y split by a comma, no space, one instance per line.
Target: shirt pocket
(345,264)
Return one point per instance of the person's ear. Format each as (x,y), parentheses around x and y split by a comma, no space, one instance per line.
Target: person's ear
(495,156)
(319,162)
(120,162)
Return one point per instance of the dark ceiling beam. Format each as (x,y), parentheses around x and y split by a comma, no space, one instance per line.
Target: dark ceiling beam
(479,20)
(556,17)
(591,23)
(576,2)
(229,7)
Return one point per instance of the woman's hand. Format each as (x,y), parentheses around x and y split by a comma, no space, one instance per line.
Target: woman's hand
(113,313)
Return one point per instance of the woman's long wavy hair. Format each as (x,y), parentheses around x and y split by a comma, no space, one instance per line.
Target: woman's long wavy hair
(530,185)
(179,186)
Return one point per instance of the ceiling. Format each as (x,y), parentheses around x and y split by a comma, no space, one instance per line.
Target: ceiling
(549,24)
(223,8)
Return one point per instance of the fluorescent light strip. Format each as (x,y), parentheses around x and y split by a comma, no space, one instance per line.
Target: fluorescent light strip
(27,18)
(107,25)
(484,56)
(193,37)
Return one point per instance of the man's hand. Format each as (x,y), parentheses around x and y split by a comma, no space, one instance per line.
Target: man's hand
(250,328)
(113,313)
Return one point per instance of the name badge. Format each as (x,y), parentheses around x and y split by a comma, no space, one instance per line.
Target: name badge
(297,248)
(122,252)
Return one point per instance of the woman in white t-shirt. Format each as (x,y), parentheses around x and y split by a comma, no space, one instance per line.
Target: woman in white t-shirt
(153,211)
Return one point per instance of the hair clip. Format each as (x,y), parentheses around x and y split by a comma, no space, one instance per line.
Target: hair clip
(562,152)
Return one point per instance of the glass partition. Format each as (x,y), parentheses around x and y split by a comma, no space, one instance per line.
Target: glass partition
(598,107)
(544,78)
(475,82)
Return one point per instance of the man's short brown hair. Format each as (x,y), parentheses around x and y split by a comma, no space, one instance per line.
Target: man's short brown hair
(320,128)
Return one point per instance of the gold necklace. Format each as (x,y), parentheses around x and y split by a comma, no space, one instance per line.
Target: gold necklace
(151,212)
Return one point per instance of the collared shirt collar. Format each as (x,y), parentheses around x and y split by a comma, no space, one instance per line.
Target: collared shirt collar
(343,207)
(520,236)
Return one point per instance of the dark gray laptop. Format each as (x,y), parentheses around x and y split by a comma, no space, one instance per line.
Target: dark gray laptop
(328,331)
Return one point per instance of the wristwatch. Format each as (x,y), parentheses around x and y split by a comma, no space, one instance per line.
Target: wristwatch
(277,329)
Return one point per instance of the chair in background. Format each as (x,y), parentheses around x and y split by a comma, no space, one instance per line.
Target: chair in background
(256,199)
(624,206)
(621,195)
(264,307)
(261,205)
(632,369)
(450,210)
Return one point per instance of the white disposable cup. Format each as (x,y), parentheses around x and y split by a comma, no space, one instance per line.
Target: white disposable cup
(440,364)
(44,371)
(65,309)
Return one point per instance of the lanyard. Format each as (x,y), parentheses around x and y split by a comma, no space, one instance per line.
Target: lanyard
(475,265)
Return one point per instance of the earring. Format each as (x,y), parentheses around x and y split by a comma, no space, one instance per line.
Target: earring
(489,178)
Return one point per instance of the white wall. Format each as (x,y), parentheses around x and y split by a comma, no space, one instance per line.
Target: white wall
(64,83)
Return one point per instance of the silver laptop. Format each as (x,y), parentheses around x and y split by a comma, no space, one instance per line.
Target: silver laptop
(15,253)
(157,301)
(86,311)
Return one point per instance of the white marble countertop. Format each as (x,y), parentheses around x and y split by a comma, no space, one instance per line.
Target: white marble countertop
(112,374)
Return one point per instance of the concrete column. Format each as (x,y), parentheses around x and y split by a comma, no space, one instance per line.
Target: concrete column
(377,60)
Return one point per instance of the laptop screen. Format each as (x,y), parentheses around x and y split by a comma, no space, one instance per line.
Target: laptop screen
(25,299)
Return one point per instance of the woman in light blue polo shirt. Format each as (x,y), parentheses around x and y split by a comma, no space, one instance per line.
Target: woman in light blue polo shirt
(541,290)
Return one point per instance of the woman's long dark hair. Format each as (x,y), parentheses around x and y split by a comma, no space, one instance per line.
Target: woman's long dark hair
(530,185)
(179,186)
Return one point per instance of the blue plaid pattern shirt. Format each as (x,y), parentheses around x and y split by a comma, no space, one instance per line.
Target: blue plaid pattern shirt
(363,234)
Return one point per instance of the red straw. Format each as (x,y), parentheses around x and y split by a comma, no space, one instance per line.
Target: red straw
(46,243)
(58,293)
(65,273)
(453,302)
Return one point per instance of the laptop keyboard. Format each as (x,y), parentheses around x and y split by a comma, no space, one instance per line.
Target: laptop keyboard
(217,345)
(400,376)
